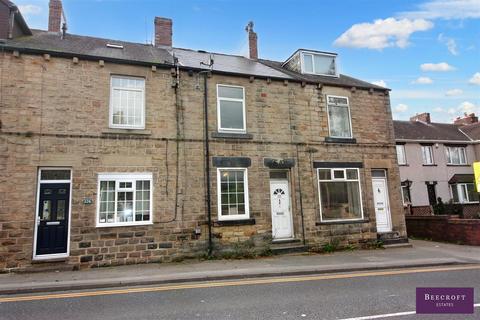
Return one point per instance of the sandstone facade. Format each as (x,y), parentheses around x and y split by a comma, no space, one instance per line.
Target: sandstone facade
(55,113)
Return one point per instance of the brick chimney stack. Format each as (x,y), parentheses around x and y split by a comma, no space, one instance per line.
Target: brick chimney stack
(163,32)
(424,117)
(252,41)
(467,119)
(55,15)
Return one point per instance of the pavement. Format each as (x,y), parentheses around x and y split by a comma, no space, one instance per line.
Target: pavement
(422,254)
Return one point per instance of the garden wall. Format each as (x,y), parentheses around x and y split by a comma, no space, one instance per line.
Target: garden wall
(445,228)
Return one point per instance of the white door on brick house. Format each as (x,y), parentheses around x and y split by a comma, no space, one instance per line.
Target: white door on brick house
(381,201)
(281,214)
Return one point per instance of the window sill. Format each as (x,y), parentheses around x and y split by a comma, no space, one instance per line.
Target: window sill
(231,135)
(429,165)
(340,140)
(127,131)
(458,165)
(404,165)
(114,225)
(342,222)
(50,258)
(243,222)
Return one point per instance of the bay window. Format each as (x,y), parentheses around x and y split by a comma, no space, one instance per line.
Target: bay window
(464,193)
(232,184)
(124,199)
(339,194)
(339,122)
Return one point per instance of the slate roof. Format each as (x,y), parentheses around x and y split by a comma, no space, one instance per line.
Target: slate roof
(96,48)
(227,63)
(342,80)
(427,131)
(51,42)
(18,16)
(472,130)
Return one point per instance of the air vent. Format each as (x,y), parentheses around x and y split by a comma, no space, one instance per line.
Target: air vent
(114,46)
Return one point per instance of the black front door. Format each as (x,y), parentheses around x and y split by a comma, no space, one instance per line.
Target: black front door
(54,204)
(432,195)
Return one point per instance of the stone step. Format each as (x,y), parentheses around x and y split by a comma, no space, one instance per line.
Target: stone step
(285,241)
(397,245)
(394,241)
(288,246)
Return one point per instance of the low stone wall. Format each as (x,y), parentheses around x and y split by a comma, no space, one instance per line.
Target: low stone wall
(445,228)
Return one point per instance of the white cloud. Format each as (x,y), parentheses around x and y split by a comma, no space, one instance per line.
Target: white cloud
(449,42)
(445,9)
(475,79)
(453,92)
(30,9)
(467,107)
(439,110)
(382,33)
(440,67)
(401,108)
(380,83)
(423,80)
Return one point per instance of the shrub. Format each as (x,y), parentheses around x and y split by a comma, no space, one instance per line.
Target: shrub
(449,208)
(330,247)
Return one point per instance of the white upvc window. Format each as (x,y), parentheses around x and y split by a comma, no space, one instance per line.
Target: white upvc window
(340,194)
(124,199)
(401,155)
(427,155)
(232,184)
(339,119)
(127,102)
(456,155)
(319,63)
(464,193)
(231,116)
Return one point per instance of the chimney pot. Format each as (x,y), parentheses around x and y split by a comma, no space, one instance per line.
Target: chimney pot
(467,119)
(163,32)
(55,15)
(252,41)
(424,117)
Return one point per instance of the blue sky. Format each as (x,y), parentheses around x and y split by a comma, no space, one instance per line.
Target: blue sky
(427,52)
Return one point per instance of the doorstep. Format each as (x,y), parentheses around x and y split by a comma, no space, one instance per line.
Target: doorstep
(282,246)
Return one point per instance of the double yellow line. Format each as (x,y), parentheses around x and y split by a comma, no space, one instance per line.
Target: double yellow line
(245,282)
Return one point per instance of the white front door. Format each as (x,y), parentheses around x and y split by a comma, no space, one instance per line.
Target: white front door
(382,206)
(281,213)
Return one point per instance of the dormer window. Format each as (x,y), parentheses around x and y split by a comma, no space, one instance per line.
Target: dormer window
(319,63)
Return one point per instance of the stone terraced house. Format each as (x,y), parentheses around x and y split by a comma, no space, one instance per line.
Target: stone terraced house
(115,153)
